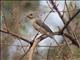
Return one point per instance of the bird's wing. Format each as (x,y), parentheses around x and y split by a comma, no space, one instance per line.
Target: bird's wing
(40,23)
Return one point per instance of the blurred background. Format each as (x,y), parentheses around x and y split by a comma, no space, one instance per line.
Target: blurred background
(13,14)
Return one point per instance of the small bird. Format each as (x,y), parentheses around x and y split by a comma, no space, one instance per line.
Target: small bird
(40,26)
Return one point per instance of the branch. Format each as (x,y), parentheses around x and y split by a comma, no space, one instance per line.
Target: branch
(72,39)
(61,16)
(14,35)
(67,9)
(72,18)
(63,19)
(35,44)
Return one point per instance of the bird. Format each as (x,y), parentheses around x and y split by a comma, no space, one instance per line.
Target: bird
(40,26)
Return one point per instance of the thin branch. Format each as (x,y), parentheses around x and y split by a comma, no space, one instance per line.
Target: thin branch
(76,37)
(69,30)
(63,11)
(14,35)
(55,7)
(21,58)
(44,21)
(61,16)
(47,16)
(71,38)
(67,9)
(41,55)
(27,46)
(67,43)
(48,53)
(35,44)
(22,46)
(52,8)
(41,37)
(5,22)
(13,45)
(72,18)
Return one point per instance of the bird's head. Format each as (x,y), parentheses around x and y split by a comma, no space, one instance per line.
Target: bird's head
(30,16)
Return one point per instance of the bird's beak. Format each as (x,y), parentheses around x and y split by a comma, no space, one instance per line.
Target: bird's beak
(29,17)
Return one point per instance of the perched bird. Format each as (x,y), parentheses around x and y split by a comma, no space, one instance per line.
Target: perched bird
(40,26)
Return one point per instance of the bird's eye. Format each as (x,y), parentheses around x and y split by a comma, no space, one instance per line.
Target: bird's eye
(31,14)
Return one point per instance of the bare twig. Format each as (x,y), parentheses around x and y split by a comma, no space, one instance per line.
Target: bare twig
(5,22)
(41,55)
(72,18)
(22,46)
(67,44)
(67,9)
(27,46)
(66,24)
(25,53)
(48,58)
(72,39)
(76,37)
(42,36)
(15,35)
(13,45)
(61,16)
(63,11)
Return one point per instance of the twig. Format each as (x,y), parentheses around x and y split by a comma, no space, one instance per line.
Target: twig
(27,46)
(77,40)
(5,22)
(42,37)
(61,16)
(21,45)
(25,53)
(66,24)
(72,39)
(63,11)
(67,44)
(14,35)
(48,58)
(13,45)
(67,9)
(41,55)
(72,18)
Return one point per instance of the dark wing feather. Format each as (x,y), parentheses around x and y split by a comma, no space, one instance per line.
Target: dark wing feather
(40,23)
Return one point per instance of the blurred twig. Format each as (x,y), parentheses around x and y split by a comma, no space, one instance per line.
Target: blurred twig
(48,56)
(72,18)
(67,9)
(66,24)
(15,35)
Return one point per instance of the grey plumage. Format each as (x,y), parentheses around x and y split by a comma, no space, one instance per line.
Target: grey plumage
(39,25)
